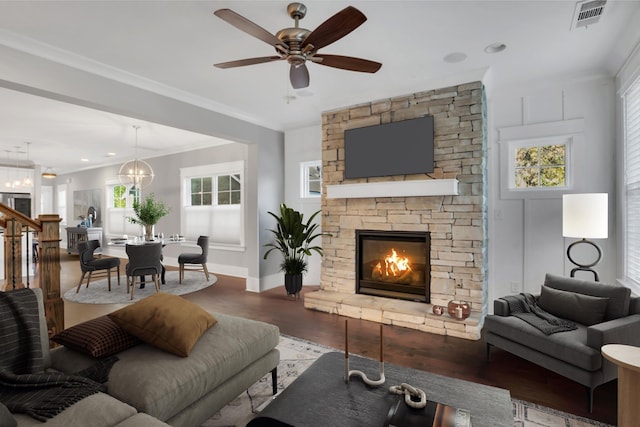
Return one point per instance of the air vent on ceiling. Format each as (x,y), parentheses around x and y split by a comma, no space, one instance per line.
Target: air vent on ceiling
(587,12)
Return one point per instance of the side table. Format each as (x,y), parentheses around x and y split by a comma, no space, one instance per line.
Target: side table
(627,358)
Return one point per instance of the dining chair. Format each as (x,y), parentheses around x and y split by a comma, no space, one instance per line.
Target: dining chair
(195,258)
(89,263)
(144,260)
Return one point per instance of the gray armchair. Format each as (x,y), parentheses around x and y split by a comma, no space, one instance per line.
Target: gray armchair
(603,314)
(144,260)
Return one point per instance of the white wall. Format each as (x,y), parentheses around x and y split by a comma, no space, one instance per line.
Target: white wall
(303,145)
(525,234)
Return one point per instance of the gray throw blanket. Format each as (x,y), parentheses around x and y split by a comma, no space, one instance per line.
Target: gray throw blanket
(24,384)
(523,306)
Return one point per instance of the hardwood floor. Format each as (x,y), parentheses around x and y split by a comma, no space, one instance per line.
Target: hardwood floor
(443,355)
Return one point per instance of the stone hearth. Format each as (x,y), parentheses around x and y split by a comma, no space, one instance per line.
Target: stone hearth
(456,222)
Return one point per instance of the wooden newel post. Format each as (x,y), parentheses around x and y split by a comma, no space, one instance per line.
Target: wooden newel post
(49,270)
(13,255)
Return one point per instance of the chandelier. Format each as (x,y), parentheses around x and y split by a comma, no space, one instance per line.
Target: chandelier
(136,173)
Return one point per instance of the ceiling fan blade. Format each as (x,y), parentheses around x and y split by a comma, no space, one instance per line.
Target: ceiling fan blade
(248,61)
(336,27)
(243,24)
(299,76)
(348,63)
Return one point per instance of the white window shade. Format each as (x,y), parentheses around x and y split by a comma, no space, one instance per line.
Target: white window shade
(632,182)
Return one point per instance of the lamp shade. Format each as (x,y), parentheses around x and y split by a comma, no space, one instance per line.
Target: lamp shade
(585,215)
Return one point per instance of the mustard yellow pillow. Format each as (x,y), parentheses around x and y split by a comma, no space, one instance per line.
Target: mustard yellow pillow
(166,321)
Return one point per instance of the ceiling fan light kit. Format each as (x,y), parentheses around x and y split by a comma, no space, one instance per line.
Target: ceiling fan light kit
(298,45)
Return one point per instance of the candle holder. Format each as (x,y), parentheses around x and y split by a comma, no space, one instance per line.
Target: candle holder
(459,310)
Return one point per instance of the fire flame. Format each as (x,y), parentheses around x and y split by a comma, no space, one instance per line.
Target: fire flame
(393,265)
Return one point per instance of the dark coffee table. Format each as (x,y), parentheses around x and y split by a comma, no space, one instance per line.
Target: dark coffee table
(320,397)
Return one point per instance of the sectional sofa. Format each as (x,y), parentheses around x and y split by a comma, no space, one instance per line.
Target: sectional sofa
(149,386)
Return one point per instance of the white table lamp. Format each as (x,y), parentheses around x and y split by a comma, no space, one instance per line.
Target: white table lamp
(585,216)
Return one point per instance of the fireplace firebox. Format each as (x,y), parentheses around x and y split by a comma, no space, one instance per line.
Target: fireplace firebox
(394,264)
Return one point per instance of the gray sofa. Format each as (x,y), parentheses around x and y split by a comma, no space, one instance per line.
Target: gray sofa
(603,314)
(150,387)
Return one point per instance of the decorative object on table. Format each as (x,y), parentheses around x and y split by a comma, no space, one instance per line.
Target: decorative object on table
(413,396)
(136,171)
(293,239)
(349,373)
(459,310)
(196,258)
(438,310)
(585,216)
(148,213)
(431,414)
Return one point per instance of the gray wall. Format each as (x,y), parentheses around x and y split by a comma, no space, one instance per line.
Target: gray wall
(265,188)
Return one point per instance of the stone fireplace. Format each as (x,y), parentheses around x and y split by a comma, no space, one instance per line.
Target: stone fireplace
(448,204)
(393,264)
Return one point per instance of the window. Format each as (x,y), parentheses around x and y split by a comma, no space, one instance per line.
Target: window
(536,160)
(119,196)
(228,189)
(632,182)
(201,191)
(538,164)
(212,203)
(311,179)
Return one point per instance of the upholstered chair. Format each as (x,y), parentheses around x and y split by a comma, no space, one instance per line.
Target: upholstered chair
(144,260)
(195,258)
(89,263)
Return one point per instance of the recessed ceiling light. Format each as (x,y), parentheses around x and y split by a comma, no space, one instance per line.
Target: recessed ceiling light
(455,57)
(495,48)
(84,160)
(111,154)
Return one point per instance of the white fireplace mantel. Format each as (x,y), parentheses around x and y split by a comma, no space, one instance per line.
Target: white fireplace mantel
(428,187)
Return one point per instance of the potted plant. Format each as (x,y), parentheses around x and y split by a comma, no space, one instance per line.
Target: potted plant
(148,213)
(293,239)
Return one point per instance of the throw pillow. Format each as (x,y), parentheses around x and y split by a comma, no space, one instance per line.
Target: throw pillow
(166,321)
(580,308)
(6,417)
(100,337)
(619,296)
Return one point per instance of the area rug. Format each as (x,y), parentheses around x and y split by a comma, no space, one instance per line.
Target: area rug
(296,355)
(98,291)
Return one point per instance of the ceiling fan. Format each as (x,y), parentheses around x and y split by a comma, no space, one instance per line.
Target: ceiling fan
(299,45)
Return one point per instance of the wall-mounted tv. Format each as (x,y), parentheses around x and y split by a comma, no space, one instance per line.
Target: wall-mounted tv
(397,148)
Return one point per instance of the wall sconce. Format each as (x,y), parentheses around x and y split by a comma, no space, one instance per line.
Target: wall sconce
(585,216)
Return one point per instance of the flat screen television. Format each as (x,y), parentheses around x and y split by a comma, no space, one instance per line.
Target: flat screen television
(397,148)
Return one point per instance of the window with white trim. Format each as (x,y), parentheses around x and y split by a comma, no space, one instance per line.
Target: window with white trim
(632,182)
(120,200)
(212,203)
(538,164)
(311,179)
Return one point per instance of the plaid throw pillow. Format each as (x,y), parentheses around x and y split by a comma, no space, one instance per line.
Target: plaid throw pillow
(97,338)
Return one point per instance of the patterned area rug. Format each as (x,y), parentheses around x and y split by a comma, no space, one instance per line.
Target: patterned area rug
(297,355)
(98,291)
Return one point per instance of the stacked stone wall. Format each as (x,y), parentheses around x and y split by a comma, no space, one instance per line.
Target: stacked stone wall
(456,223)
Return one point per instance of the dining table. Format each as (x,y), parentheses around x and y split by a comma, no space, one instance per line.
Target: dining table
(124,241)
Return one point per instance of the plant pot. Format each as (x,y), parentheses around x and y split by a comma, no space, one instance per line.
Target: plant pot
(149,232)
(293,284)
